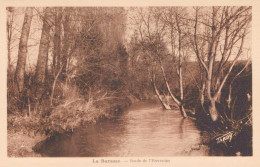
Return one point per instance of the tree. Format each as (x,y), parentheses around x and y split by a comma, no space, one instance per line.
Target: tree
(224,32)
(154,26)
(43,53)
(9,28)
(178,32)
(22,52)
(150,39)
(57,40)
(56,60)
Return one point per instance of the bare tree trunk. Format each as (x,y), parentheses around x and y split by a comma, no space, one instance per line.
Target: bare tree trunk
(167,84)
(179,103)
(66,45)
(9,54)
(181,84)
(57,41)
(231,84)
(201,94)
(180,57)
(181,107)
(165,106)
(22,52)
(54,85)
(211,58)
(9,28)
(213,110)
(183,112)
(43,53)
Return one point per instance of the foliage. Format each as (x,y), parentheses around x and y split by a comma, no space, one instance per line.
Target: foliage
(74,111)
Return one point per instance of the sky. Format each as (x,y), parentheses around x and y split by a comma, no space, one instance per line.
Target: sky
(35,35)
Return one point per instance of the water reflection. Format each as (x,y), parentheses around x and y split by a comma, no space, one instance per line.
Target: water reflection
(143,130)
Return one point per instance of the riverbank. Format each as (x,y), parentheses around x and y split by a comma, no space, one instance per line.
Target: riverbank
(20,144)
(24,132)
(229,138)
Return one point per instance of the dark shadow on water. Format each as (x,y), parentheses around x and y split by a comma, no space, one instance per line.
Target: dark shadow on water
(91,141)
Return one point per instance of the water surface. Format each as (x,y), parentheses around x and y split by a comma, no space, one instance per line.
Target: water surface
(143,130)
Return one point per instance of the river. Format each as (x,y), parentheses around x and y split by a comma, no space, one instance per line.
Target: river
(142,130)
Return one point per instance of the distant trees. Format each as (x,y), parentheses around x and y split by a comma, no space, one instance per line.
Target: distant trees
(139,68)
(100,53)
(150,38)
(162,28)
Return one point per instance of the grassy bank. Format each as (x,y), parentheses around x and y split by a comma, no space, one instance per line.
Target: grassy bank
(24,132)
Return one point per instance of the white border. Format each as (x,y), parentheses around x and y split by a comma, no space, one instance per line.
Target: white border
(175,161)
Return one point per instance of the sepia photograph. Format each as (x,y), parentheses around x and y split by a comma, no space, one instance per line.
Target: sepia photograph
(129,85)
(137,81)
